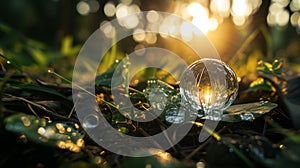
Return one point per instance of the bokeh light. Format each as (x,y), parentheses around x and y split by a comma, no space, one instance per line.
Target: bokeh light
(107,29)
(281,12)
(186,34)
(295,5)
(86,7)
(109,9)
(240,8)
(122,10)
(151,38)
(140,49)
(94,6)
(205,15)
(295,18)
(83,8)
(282,18)
(220,7)
(139,35)
(126,2)
(152,16)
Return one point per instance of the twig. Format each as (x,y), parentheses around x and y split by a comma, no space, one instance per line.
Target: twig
(40,107)
(73,109)
(32,110)
(135,90)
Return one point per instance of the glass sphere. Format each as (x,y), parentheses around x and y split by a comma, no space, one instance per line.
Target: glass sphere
(209,86)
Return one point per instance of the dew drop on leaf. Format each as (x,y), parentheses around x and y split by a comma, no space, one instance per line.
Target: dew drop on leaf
(209,85)
(174,115)
(90,121)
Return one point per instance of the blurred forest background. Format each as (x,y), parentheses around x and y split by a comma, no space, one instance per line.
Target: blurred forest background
(243,32)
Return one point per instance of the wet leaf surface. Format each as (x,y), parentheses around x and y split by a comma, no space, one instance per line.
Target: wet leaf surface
(39,130)
(247,112)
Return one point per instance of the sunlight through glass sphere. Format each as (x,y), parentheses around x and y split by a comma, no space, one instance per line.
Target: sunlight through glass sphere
(209,85)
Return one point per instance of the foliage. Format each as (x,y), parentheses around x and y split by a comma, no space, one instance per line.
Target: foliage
(247,112)
(267,68)
(55,134)
(31,53)
(40,128)
(61,130)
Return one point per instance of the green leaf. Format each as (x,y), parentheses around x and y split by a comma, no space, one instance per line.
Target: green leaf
(277,67)
(268,68)
(67,48)
(123,130)
(38,56)
(260,84)
(37,88)
(12,62)
(264,67)
(247,112)
(41,131)
(106,77)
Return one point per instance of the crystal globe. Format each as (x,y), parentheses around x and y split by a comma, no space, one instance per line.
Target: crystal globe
(209,86)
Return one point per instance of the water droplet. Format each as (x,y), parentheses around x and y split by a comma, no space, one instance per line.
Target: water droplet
(247,116)
(69,129)
(263,102)
(157,97)
(8,62)
(209,85)
(90,121)
(80,142)
(41,131)
(60,128)
(26,121)
(50,71)
(230,150)
(281,146)
(175,115)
